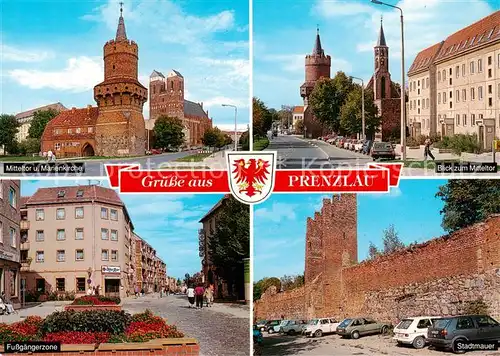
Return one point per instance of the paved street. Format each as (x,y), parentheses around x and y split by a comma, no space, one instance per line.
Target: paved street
(335,345)
(296,153)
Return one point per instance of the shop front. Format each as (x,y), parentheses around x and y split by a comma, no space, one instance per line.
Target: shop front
(9,277)
(112,281)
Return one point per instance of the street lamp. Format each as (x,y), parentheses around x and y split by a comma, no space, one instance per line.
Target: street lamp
(403,104)
(363,134)
(235,126)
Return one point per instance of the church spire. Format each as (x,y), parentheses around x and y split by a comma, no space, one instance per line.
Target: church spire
(381,36)
(317,45)
(121,35)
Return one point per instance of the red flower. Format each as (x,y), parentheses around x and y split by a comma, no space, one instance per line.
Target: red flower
(77,337)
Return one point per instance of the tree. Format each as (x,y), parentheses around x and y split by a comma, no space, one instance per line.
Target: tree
(261,286)
(391,240)
(245,141)
(467,202)
(230,243)
(179,282)
(291,282)
(30,145)
(228,140)
(372,251)
(168,132)
(327,99)
(211,137)
(262,118)
(351,113)
(285,116)
(40,120)
(8,130)
(187,278)
(299,126)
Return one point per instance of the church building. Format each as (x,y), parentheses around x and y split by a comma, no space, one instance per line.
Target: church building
(166,97)
(116,126)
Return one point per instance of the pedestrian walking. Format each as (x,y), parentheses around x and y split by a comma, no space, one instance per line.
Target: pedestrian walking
(427,150)
(208,296)
(49,156)
(199,291)
(161,292)
(190,294)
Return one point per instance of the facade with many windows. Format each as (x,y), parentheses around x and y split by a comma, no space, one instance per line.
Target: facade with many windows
(454,86)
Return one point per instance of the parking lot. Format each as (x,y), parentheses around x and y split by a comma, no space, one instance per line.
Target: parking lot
(277,344)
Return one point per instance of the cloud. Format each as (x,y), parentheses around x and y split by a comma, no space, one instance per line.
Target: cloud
(13,54)
(277,212)
(393,193)
(337,8)
(230,127)
(79,75)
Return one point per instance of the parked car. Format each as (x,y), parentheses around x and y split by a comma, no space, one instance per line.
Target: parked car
(261,325)
(367,146)
(271,324)
(447,333)
(413,331)
(292,327)
(356,327)
(318,327)
(382,150)
(358,146)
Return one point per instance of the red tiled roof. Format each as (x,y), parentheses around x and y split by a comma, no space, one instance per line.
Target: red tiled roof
(72,118)
(28,113)
(298,109)
(425,58)
(483,31)
(23,201)
(90,193)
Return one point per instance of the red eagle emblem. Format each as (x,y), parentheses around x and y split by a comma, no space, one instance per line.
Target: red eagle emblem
(251,175)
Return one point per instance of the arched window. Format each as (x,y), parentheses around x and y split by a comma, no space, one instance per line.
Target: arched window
(382,88)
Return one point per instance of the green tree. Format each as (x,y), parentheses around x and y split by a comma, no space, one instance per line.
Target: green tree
(29,146)
(8,130)
(211,137)
(391,240)
(168,132)
(230,243)
(245,141)
(351,114)
(228,140)
(40,120)
(291,282)
(285,116)
(372,251)
(327,98)
(467,202)
(261,286)
(262,118)
(299,126)
(179,282)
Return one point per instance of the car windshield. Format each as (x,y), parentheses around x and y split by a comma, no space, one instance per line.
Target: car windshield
(344,323)
(441,323)
(404,324)
(313,322)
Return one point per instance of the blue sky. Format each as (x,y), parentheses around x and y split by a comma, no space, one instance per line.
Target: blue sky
(52,50)
(168,222)
(280,223)
(284,32)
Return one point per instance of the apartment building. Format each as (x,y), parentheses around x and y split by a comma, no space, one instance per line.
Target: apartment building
(454,85)
(10,240)
(77,237)
(25,118)
(150,270)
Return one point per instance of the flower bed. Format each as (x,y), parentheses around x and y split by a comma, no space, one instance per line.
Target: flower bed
(94,303)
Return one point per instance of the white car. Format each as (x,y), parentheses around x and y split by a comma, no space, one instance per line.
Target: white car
(413,331)
(358,146)
(346,144)
(320,326)
(292,327)
(277,328)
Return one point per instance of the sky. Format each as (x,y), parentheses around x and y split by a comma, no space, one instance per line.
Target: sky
(51,51)
(280,223)
(285,31)
(169,223)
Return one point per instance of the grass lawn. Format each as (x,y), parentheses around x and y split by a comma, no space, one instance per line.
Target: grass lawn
(198,157)
(260,144)
(21,158)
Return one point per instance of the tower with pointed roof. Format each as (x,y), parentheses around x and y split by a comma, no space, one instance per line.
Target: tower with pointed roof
(382,77)
(120,128)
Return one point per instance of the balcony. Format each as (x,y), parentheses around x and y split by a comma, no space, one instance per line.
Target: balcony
(25,265)
(25,245)
(24,225)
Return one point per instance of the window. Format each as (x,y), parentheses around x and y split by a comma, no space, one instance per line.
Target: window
(439,76)
(60,284)
(104,213)
(471,67)
(457,96)
(79,212)
(79,255)
(114,214)
(444,97)
(457,71)
(40,214)
(489,73)
(114,235)
(40,256)
(90,129)
(480,116)
(12,197)
(104,255)
(78,130)
(13,280)
(80,284)
(61,214)
(458,119)
(465,323)
(464,119)
(104,234)
(479,65)
(480,93)
(79,193)
(473,119)
(61,235)
(472,94)
(464,94)
(79,233)
(12,234)
(490,89)
(490,101)
(444,74)
(57,146)
(439,98)
(411,105)
(463,70)
(61,255)
(427,102)
(114,255)
(426,82)
(40,235)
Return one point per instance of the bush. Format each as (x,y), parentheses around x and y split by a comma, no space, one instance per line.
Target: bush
(460,143)
(114,322)
(147,317)
(32,296)
(26,330)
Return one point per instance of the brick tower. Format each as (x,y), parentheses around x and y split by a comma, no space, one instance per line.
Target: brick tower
(175,92)
(331,245)
(317,65)
(381,77)
(120,129)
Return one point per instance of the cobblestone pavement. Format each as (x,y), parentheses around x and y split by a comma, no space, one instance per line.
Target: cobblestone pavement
(335,345)
(223,329)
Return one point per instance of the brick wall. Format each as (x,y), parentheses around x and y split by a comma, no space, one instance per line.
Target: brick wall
(272,305)
(391,117)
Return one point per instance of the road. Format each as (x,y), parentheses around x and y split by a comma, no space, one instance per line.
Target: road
(95,168)
(296,153)
(223,329)
(335,345)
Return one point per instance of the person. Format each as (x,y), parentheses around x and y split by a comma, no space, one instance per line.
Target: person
(161,292)
(198,292)
(89,291)
(136,291)
(8,306)
(190,294)
(427,150)
(208,296)
(49,156)
(97,290)
(142,292)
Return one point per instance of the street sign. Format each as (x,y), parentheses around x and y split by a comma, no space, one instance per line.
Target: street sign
(89,281)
